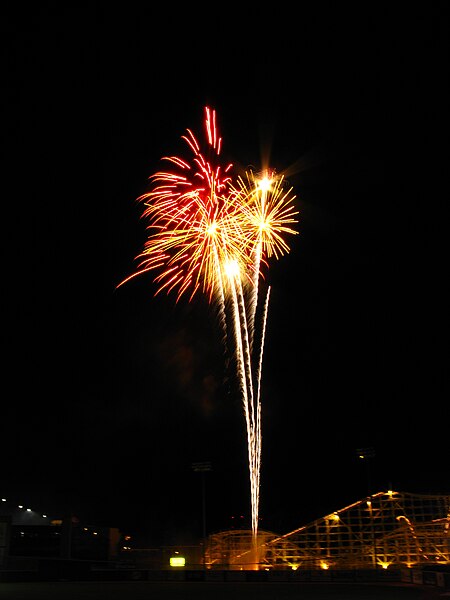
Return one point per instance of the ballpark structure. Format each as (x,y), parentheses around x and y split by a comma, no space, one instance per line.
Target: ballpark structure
(385,529)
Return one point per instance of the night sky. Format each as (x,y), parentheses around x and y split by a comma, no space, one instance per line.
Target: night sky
(110,395)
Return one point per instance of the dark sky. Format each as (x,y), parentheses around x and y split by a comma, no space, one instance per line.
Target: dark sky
(110,395)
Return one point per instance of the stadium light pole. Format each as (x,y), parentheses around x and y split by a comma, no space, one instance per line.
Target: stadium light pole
(203,467)
(366,454)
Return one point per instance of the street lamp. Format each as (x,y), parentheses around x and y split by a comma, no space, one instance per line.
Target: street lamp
(203,467)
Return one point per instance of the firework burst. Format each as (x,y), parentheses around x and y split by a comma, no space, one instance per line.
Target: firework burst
(212,234)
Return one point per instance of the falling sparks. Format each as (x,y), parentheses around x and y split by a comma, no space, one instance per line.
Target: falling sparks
(213,234)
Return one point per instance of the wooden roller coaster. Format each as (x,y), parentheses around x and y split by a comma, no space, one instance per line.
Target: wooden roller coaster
(384,529)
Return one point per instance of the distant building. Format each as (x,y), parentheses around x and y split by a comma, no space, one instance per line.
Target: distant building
(5,529)
(26,533)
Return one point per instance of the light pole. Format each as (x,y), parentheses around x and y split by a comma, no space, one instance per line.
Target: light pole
(203,467)
(366,454)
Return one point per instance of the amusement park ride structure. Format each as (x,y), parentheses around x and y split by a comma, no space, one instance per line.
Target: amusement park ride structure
(386,529)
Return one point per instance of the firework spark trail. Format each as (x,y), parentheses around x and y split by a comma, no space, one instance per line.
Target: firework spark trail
(248,398)
(258,440)
(209,234)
